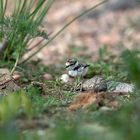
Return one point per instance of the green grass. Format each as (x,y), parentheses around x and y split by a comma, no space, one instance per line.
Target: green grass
(22,25)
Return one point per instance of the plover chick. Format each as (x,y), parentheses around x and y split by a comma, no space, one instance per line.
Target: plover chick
(76,69)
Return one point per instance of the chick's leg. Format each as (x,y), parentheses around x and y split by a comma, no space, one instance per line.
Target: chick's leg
(79,82)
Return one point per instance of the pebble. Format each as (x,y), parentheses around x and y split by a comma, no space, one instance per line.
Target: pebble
(66,79)
(47,76)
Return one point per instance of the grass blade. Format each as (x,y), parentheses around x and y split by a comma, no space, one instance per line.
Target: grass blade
(39,5)
(44,11)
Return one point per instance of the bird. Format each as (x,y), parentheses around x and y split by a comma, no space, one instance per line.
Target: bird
(75,68)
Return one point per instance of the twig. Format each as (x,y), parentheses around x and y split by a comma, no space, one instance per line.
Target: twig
(3,46)
(34,46)
(15,65)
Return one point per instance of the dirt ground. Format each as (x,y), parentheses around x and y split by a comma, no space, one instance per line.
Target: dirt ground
(113,25)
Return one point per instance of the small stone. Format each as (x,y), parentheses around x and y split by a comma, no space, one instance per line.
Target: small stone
(66,79)
(7,84)
(105,108)
(16,76)
(47,76)
(113,104)
(4,71)
(96,84)
(120,87)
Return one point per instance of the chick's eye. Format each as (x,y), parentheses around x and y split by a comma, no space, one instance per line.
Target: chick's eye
(70,60)
(73,62)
